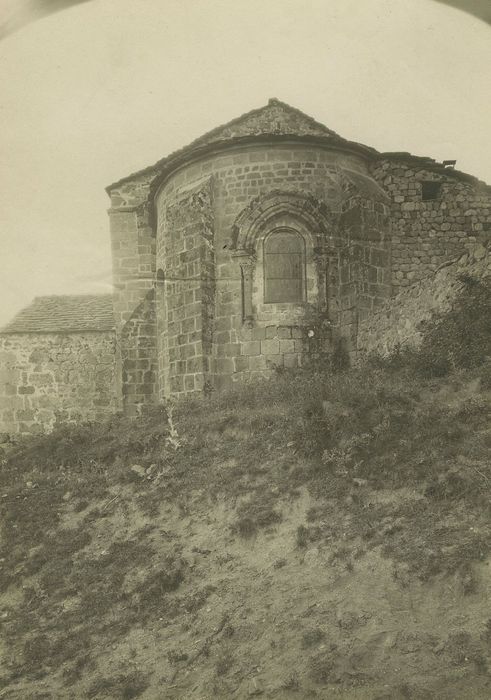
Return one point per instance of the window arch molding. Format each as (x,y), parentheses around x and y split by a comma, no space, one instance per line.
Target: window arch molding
(259,215)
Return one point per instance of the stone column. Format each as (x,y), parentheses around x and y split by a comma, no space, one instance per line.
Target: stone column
(247,262)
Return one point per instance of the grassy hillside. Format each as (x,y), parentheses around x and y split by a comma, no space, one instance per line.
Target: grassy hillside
(323,534)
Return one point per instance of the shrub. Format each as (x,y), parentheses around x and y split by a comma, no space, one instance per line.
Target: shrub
(259,512)
(124,686)
(224,664)
(312,637)
(461,337)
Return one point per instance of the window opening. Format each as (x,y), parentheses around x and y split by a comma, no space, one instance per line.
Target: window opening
(284,267)
(430,190)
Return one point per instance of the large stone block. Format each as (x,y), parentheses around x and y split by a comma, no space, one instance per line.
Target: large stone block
(252,347)
(284,332)
(26,390)
(273,361)
(241,364)
(189,384)
(287,346)
(270,347)
(257,362)
(229,350)
(225,365)
(258,333)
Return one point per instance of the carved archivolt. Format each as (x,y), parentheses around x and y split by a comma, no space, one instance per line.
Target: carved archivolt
(277,207)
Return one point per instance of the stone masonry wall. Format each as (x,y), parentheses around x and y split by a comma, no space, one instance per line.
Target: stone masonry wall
(46,378)
(138,340)
(279,337)
(186,295)
(133,253)
(397,324)
(363,270)
(425,234)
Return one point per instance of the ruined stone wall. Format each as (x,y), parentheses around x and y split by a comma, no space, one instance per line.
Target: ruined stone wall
(45,378)
(398,322)
(425,234)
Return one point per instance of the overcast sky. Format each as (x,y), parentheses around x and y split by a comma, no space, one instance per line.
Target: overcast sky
(107,87)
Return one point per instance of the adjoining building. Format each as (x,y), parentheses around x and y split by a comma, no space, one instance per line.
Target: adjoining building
(261,243)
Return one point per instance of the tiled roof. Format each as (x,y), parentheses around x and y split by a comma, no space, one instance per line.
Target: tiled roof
(64,314)
(274,118)
(277,118)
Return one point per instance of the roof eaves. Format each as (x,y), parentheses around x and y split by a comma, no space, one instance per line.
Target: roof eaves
(165,165)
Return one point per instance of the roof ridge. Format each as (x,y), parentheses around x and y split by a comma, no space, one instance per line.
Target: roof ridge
(257,110)
(275,100)
(207,139)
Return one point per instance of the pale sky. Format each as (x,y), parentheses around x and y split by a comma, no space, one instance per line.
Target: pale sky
(105,88)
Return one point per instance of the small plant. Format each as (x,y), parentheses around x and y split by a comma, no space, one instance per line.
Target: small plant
(36,651)
(486,376)
(302,537)
(459,647)
(258,513)
(161,582)
(342,555)
(486,635)
(343,459)
(224,664)
(322,665)
(312,637)
(175,656)
(73,673)
(480,663)
(172,439)
(340,356)
(125,686)
(291,683)
(279,563)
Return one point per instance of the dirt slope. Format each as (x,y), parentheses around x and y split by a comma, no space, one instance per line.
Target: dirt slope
(315,536)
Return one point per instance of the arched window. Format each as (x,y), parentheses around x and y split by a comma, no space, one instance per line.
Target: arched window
(284,267)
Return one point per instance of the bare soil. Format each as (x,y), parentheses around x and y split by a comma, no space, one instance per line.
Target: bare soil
(309,537)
